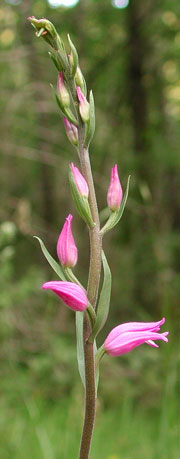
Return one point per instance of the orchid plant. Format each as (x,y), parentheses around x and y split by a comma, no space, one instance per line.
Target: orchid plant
(91,307)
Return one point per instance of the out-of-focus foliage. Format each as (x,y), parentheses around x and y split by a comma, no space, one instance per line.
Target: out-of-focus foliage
(130,58)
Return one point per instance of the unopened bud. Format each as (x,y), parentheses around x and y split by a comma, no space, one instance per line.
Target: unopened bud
(66,247)
(114,195)
(62,91)
(83,105)
(79,78)
(80,181)
(73,57)
(79,189)
(71,131)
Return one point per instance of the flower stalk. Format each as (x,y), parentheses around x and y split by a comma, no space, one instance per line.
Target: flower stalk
(78,114)
(92,292)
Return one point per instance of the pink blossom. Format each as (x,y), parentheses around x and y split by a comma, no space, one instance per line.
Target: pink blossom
(125,337)
(66,247)
(114,194)
(83,105)
(71,294)
(71,131)
(80,181)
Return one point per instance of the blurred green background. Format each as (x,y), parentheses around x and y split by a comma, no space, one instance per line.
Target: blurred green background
(130,56)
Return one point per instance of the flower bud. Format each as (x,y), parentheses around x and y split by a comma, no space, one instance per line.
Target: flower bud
(66,247)
(79,181)
(83,105)
(73,57)
(114,194)
(71,294)
(79,189)
(71,131)
(43,23)
(62,91)
(79,78)
(71,60)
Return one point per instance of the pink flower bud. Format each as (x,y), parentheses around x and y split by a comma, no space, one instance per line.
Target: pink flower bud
(83,105)
(71,294)
(66,247)
(125,337)
(63,93)
(71,131)
(114,194)
(80,181)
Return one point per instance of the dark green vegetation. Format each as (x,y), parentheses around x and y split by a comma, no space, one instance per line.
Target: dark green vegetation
(131,61)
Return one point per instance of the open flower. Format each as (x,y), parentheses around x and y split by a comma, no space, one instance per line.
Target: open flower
(114,194)
(66,247)
(125,337)
(71,294)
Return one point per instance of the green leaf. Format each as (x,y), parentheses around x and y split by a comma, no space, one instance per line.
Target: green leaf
(54,265)
(80,349)
(116,216)
(91,124)
(104,300)
(80,345)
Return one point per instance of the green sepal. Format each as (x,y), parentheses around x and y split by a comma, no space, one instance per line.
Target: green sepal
(75,56)
(116,216)
(90,127)
(81,202)
(53,263)
(104,300)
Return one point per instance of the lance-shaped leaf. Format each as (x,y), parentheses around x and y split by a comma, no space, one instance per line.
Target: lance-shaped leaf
(80,345)
(116,216)
(104,300)
(80,349)
(91,124)
(53,263)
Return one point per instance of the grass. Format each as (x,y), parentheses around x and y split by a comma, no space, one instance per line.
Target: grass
(43,431)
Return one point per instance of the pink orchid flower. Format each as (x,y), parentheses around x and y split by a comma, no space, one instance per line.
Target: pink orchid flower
(125,337)
(71,294)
